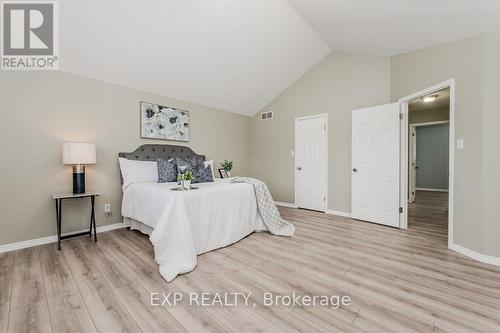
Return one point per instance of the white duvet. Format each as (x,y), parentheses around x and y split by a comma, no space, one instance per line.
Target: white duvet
(188,223)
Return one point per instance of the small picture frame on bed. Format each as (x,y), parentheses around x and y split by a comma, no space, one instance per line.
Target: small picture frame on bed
(223,173)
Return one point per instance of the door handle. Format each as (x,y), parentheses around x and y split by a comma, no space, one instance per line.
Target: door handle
(355,169)
(299,168)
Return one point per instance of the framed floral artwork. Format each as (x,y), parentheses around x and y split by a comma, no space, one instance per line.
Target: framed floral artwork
(164,122)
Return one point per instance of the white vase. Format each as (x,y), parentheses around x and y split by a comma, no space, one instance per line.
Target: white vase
(186,184)
(228,174)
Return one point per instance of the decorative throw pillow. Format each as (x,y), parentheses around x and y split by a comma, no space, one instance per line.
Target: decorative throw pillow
(190,164)
(200,161)
(211,164)
(203,175)
(167,171)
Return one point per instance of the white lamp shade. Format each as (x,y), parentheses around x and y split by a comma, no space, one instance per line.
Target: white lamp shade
(79,153)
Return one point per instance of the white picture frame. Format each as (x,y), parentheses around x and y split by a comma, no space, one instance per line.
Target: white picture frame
(164,122)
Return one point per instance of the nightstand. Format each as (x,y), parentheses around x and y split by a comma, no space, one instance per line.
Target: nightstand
(59,197)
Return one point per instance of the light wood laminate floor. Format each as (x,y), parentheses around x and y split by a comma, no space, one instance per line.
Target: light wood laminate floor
(399,281)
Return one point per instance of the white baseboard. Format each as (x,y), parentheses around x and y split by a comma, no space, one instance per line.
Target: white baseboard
(285,204)
(475,255)
(52,239)
(431,189)
(338,213)
(328,211)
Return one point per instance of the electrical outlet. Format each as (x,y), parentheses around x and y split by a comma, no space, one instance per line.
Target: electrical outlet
(107,209)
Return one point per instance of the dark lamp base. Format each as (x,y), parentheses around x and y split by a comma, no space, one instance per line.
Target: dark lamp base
(78,179)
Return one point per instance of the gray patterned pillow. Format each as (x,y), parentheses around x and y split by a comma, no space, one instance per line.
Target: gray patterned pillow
(190,164)
(203,175)
(167,171)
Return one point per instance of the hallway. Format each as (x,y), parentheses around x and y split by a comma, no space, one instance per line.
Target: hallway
(429,215)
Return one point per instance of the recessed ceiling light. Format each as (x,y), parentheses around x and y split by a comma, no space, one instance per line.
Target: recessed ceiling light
(430,98)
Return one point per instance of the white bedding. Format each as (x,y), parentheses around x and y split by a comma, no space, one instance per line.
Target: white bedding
(188,223)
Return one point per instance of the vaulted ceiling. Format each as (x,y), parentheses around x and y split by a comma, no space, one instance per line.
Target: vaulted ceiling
(390,27)
(239,55)
(233,55)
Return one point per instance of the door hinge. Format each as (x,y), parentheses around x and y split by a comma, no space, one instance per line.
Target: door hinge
(324,127)
(324,198)
(400,210)
(400,116)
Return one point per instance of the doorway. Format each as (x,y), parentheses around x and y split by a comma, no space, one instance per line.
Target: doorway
(429,164)
(428,158)
(427,155)
(311,158)
(385,156)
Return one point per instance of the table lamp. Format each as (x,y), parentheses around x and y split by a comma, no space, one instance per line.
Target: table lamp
(79,154)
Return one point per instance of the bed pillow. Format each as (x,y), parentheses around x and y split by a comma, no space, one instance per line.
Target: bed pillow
(211,164)
(203,175)
(167,171)
(190,164)
(138,171)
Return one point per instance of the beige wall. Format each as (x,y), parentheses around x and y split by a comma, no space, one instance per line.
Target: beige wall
(41,110)
(425,116)
(343,82)
(491,146)
(340,83)
(476,72)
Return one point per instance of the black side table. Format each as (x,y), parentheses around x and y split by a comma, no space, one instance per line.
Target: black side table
(59,197)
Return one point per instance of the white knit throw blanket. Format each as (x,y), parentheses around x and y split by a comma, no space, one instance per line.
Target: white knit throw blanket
(268,211)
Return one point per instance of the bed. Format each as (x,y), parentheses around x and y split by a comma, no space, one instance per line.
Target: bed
(184,224)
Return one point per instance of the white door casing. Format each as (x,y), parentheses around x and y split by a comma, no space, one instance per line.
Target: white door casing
(412,168)
(375,164)
(311,183)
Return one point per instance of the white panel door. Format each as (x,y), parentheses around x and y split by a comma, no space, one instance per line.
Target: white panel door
(375,164)
(310,162)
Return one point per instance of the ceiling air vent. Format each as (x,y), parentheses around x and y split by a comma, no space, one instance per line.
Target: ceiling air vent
(266,115)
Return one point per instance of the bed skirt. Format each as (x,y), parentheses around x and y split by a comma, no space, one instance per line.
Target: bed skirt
(136,225)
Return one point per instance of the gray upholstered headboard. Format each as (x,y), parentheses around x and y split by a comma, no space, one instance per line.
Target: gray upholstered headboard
(152,152)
